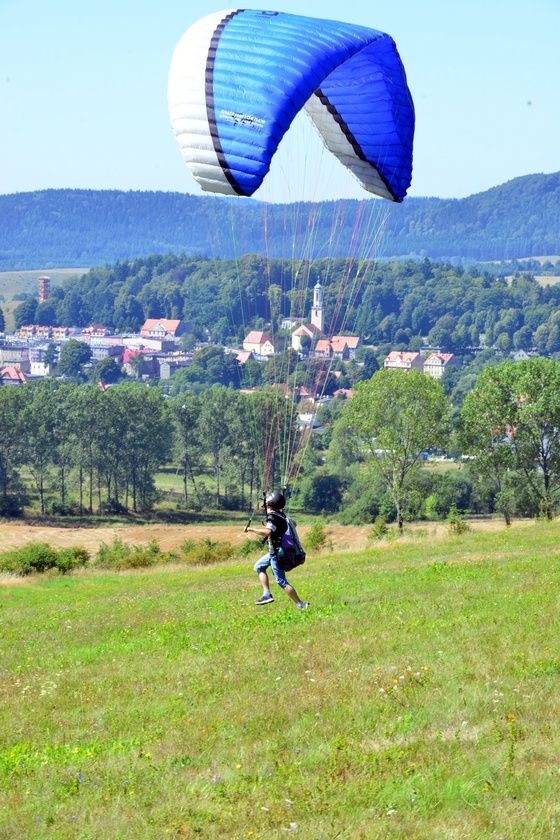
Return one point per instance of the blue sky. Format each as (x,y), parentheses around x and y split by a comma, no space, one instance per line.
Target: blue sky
(83,90)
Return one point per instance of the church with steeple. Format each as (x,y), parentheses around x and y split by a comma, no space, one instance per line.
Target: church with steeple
(314,329)
(337,346)
(317,308)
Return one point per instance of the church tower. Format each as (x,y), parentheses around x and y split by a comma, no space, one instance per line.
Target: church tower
(317,309)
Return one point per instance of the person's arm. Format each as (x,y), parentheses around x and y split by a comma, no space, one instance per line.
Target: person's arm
(262,532)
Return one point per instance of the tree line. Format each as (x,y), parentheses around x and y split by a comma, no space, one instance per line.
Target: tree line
(508,430)
(391,304)
(88,451)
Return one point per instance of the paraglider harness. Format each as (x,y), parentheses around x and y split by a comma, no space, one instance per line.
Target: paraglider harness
(290,552)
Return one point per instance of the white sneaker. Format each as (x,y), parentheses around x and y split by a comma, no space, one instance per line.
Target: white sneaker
(302,605)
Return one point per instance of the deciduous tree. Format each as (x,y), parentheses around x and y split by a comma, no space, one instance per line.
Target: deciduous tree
(522,425)
(11,438)
(73,356)
(397,415)
(25,312)
(107,370)
(186,412)
(484,428)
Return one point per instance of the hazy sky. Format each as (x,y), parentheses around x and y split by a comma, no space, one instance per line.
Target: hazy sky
(83,89)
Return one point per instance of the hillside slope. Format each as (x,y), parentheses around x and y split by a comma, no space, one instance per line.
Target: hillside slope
(416,698)
(58,228)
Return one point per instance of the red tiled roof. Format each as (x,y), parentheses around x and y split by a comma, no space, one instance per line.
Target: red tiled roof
(351,341)
(170,325)
(13,373)
(129,354)
(338,343)
(256,337)
(444,357)
(403,355)
(305,329)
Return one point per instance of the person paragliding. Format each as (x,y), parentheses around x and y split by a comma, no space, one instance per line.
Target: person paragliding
(237,81)
(274,529)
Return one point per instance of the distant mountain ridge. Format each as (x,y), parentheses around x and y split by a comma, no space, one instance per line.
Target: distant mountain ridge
(61,227)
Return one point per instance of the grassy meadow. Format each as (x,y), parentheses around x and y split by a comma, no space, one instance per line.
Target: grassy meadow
(416,698)
(17,282)
(12,282)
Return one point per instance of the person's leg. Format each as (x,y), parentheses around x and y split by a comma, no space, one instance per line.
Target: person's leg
(260,568)
(289,590)
(263,577)
(280,576)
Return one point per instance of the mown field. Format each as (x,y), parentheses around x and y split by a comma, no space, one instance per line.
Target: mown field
(15,533)
(546,279)
(416,698)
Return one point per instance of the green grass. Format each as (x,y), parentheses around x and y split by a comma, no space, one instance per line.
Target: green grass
(16,282)
(416,698)
(13,282)
(441,466)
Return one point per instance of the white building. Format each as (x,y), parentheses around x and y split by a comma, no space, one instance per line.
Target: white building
(437,363)
(309,330)
(403,360)
(259,342)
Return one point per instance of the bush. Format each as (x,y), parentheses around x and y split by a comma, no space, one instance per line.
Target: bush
(457,524)
(378,530)
(11,506)
(57,509)
(322,492)
(119,555)
(430,508)
(113,507)
(72,558)
(249,547)
(387,508)
(35,558)
(453,490)
(31,558)
(361,510)
(318,538)
(205,552)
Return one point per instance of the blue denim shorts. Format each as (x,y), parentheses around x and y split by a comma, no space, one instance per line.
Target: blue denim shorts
(270,560)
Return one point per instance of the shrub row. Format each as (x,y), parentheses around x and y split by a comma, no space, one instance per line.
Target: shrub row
(40,557)
(36,557)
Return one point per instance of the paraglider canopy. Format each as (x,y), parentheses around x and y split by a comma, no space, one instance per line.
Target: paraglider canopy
(238,78)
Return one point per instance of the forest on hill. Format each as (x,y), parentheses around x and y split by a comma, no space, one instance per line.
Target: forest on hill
(390,304)
(62,227)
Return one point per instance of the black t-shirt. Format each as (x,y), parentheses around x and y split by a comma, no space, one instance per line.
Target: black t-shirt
(277,523)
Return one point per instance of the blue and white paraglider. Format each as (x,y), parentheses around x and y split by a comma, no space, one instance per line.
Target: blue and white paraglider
(238,78)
